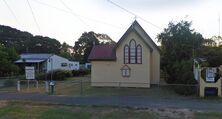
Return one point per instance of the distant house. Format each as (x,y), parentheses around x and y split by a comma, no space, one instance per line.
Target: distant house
(133,62)
(85,66)
(46,62)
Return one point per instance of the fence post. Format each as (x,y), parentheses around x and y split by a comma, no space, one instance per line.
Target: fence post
(46,86)
(18,86)
(28,86)
(37,84)
(81,90)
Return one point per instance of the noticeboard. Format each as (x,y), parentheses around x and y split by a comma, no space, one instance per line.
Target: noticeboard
(210,74)
(29,72)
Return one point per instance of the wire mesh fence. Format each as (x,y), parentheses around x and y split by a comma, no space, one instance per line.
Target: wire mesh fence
(84,87)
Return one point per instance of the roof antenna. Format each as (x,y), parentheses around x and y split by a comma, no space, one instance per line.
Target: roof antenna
(219,25)
(135,17)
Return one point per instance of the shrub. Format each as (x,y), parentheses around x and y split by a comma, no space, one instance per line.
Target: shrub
(68,73)
(184,75)
(59,75)
(42,76)
(81,72)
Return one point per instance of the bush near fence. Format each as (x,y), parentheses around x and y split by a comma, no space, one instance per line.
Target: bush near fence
(81,72)
(60,75)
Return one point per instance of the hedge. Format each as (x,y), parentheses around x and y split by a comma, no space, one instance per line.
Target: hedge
(81,72)
(61,74)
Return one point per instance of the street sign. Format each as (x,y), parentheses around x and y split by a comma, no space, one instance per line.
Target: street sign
(29,72)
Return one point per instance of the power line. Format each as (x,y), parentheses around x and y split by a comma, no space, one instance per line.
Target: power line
(132,13)
(33,15)
(76,15)
(87,18)
(51,6)
(13,14)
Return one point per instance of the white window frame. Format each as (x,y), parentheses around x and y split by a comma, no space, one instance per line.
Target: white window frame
(125,71)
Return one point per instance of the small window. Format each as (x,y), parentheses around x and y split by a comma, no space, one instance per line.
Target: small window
(64,64)
(125,71)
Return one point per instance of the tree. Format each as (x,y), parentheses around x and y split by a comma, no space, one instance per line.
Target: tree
(40,44)
(83,46)
(217,40)
(213,54)
(8,56)
(66,51)
(179,43)
(24,42)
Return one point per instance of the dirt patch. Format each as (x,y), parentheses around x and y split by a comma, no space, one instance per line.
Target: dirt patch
(3,103)
(174,113)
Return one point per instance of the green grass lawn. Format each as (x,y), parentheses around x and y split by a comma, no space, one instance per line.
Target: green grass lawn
(33,110)
(24,110)
(73,87)
(208,115)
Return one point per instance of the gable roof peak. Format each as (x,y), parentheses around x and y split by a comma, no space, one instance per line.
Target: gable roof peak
(135,22)
(136,27)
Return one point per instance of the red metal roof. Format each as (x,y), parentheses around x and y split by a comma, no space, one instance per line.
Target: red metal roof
(102,52)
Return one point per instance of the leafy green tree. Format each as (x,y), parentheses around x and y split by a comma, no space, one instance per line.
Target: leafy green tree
(8,56)
(213,54)
(209,42)
(66,51)
(40,44)
(179,43)
(83,46)
(24,42)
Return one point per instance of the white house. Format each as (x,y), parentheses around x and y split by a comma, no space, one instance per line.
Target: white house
(47,62)
(74,65)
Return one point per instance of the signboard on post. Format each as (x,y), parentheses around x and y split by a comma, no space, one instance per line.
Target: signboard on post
(29,72)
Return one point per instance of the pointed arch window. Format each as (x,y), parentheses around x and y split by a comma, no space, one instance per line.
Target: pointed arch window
(132,51)
(126,54)
(139,54)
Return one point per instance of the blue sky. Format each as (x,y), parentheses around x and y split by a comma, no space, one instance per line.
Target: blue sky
(103,17)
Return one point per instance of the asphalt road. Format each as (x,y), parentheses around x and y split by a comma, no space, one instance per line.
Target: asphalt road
(123,101)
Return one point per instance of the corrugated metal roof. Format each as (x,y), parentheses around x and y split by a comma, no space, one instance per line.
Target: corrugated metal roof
(102,52)
(29,61)
(35,56)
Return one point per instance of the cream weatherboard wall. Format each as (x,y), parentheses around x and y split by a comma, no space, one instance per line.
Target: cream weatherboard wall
(108,73)
(155,56)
